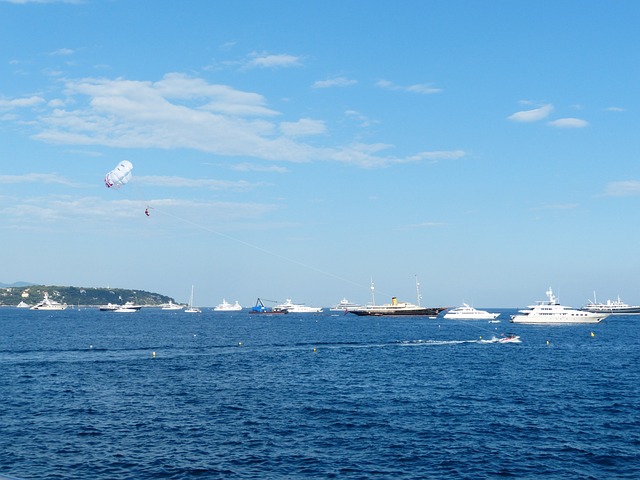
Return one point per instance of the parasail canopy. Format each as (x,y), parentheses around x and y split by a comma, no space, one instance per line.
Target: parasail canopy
(119,175)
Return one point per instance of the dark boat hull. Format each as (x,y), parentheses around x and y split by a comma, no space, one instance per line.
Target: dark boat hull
(422,312)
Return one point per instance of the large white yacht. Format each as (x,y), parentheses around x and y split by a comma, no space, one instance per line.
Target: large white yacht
(612,307)
(228,307)
(344,306)
(291,307)
(465,312)
(172,306)
(48,304)
(551,312)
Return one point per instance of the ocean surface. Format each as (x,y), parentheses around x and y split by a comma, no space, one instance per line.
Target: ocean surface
(233,395)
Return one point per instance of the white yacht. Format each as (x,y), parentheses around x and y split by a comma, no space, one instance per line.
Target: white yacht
(114,307)
(344,306)
(22,304)
(465,312)
(551,312)
(109,307)
(227,307)
(172,306)
(291,307)
(48,304)
(612,306)
(125,309)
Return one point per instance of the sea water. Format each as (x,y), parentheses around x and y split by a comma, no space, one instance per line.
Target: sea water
(86,394)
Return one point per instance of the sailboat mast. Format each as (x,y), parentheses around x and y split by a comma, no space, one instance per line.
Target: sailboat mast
(418,290)
(373,298)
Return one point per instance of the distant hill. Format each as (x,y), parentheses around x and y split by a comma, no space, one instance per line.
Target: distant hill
(16,284)
(12,295)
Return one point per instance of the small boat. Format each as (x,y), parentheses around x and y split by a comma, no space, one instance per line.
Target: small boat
(124,309)
(291,307)
(227,307)
(190,308)
(612,307)
(259,308)
(172,306)
(509,338)
(22,304)
(48,304)
(465,312)
(550,312)
(109,307)
(113,307)
(396,308)
(344,306)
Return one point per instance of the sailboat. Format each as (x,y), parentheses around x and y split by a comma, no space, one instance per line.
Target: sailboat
(191,308)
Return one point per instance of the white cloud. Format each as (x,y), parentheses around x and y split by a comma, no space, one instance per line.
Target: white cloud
(273,61)
(615,109)
(303,127)
(182,182)
(569,123)
(259,167)
(422,88)
(623,188)
(62,52)
(49,178)
(532,115)
(363,120)
(179,111)
(334,82)
(439,155)
(7,104)
(63,211)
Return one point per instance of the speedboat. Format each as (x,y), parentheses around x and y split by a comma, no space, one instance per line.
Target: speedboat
(227,307)
(465,312)
(551,312)
(112,307)
(48,304)
(291,307)
(344,306)
(510,338)
(23,304)
(125,309)
(612,307)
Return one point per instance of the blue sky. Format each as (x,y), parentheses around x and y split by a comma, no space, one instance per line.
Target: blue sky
(298,150)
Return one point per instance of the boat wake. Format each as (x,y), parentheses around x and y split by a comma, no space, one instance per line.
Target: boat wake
(494,339)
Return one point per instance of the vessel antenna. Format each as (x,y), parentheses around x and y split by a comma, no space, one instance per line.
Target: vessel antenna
(373,298)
